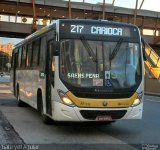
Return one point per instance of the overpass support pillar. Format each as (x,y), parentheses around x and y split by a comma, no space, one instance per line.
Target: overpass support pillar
(34,25)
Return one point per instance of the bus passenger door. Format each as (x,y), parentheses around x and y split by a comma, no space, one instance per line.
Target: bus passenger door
(49,76)
(14,64)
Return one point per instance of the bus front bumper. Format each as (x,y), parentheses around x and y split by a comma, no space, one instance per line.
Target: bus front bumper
(63,112)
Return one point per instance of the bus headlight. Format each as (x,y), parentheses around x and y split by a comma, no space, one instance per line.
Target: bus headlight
(65,99)
(138,100)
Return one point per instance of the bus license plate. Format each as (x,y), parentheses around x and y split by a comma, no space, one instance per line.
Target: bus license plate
(103,118)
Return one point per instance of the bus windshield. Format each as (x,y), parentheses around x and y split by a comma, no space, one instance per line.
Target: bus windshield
(86,63)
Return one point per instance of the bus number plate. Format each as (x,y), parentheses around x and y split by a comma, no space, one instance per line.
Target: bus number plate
(103,118)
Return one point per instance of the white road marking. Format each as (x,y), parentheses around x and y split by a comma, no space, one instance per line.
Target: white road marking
(5,91)
(156,101)
(4,86)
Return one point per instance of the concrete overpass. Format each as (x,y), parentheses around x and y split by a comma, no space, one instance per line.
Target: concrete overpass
(54,9)
(15,30)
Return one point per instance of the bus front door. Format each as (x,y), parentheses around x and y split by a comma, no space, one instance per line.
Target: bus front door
(49,77)
(15,61)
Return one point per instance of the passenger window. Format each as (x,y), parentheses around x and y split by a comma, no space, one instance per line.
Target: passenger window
(19,56)
(29,55)
(16,62)
(23,61)
(35,54)
(42,54)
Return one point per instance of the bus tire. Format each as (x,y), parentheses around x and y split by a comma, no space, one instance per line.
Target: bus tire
(45,118)
(20,102)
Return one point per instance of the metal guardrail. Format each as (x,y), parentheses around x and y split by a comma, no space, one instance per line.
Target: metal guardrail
(153,61)
(152,55)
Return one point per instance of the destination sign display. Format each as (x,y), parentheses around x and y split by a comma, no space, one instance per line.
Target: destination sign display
(97,30)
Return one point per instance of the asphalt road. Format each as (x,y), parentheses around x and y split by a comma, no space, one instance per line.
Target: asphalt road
(26,127)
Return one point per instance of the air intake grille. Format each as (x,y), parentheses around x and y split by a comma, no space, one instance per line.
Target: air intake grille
(92,114)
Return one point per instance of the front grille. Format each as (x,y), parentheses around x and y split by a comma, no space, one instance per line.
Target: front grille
(92,114)
(105,95)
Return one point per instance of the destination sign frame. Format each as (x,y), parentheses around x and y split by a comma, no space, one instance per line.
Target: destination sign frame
(107,30)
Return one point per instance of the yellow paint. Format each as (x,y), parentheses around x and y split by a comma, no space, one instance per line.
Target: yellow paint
(153,56)
(98,103)
(153,70)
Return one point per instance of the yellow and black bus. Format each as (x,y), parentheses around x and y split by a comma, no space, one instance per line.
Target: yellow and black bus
(81,70)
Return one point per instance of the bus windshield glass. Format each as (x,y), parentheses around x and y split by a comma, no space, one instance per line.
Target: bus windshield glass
(86,63)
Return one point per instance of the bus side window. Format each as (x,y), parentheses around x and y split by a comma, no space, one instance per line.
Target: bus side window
(42,54)
(29,55)
(19,57)
(16,57)
(23,62)
(35,53)
(12,59)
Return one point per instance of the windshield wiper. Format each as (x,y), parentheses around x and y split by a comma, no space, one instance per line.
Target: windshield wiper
(116,49)
(88,48)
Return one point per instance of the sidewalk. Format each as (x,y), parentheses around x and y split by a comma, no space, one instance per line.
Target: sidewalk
(152,94)
(5,84)
(5,88)
(5,79)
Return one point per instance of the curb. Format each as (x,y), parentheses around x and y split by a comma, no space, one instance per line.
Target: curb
(152,94)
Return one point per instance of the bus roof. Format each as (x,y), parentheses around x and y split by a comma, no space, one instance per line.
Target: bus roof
(96,21)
